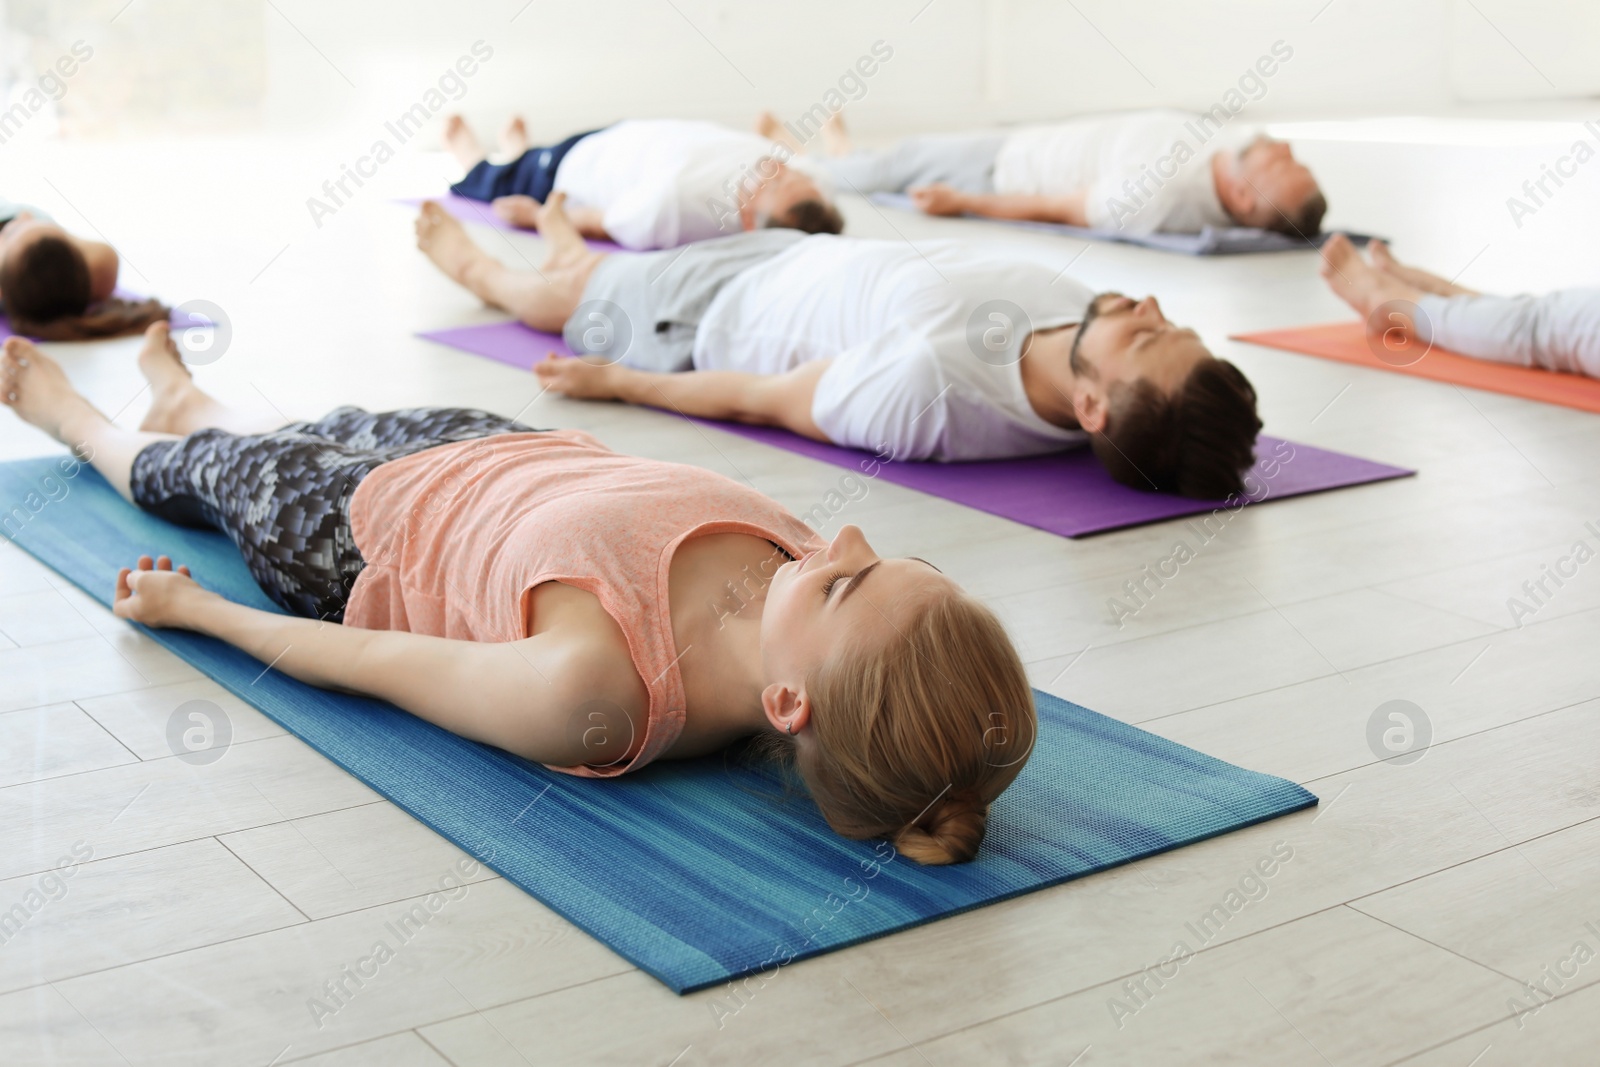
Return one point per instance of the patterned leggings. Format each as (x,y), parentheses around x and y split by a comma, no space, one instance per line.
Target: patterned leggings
(284,497)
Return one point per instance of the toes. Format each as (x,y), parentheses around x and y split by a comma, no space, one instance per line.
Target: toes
(145,563)
(163,563)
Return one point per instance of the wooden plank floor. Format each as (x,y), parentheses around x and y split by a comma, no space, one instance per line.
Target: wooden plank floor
(1445,911)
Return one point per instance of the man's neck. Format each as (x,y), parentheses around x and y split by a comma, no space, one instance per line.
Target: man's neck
(1221,181)
(1047,377)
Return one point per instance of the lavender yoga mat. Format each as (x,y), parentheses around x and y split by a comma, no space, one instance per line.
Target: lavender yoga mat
(1067,493)
(477,211)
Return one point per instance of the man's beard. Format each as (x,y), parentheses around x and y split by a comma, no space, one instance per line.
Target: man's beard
(1075,360)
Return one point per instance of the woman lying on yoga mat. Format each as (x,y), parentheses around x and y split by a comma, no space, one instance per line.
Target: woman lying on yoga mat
(1559,331)
(588,610)
(58,287)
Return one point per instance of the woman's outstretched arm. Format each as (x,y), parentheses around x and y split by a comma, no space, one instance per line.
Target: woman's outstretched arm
(518,695)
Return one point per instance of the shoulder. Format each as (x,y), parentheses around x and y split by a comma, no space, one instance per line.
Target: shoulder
(592,685)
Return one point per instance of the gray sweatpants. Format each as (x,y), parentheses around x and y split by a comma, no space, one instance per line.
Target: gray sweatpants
(962,160)
(642,308)
(1558,331)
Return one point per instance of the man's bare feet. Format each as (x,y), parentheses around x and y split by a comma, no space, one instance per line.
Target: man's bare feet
(1357,282)
(443,240)
(514,137)
(35,387)
(567,246)
(1384,260)
(520,211)
(835,138)
(768,126)
(463,143)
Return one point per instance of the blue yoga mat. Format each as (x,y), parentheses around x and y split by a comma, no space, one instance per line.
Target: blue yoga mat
(698,871)
(1209,241)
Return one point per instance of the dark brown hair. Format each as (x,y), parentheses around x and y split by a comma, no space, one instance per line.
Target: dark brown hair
(45,279)
(1198,442)
(45,288)
(809,216)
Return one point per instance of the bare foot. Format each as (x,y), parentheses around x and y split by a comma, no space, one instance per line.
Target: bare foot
(35,387)
(567,246)
(177,404)
(768,126)
(835,138)
(1384,260)
(1357,282)
(463,142)
(520,211)
(443,240)
(514,137)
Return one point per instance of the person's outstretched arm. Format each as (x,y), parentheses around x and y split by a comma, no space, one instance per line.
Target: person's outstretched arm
(943,200)
(515,695)
(760,399)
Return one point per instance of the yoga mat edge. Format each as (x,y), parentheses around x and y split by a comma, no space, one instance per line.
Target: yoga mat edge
(1346,342)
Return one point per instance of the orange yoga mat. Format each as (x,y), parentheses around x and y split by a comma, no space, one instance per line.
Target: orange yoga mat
(1348,342)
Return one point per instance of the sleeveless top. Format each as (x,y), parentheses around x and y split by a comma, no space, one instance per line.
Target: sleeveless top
(456,537)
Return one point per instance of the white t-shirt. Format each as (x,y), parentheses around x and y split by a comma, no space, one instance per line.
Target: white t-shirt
(1170,150)
(904,328)
(665,182)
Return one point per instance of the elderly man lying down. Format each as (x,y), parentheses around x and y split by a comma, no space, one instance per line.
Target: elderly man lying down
(940,352)
(1138,172)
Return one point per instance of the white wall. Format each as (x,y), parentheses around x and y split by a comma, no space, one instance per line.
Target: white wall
(296,65)
(956,62)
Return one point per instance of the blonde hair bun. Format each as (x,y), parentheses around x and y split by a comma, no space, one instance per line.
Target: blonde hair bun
(950,832)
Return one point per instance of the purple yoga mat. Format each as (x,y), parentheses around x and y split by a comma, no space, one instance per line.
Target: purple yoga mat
(477,211)
(1066,493)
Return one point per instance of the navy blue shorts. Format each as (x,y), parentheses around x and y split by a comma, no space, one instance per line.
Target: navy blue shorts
(531,174)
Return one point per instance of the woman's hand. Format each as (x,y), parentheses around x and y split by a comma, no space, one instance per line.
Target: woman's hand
(578,378)
(155,594)
(938,200)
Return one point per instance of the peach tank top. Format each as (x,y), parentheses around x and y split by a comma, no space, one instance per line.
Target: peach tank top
(456,537)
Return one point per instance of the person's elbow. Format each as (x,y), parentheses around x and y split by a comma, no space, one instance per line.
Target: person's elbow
(783,401)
